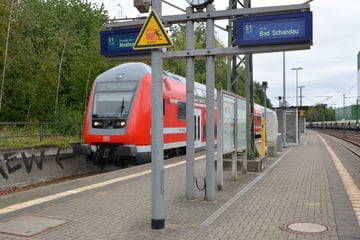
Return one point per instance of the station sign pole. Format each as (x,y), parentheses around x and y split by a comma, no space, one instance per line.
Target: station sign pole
(190,133)
(210,96)
(157,141)
(153,36)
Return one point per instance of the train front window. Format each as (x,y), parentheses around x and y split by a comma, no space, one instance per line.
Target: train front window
(113,99)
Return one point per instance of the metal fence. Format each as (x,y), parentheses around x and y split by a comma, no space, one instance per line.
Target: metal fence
(40,129)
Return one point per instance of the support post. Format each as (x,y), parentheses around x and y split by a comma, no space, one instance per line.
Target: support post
(234,165)
(220,143)
(157,142)
(284,101)
(210,87)
(190,132)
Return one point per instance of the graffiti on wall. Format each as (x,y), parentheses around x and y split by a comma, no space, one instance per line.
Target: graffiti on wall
(11,163)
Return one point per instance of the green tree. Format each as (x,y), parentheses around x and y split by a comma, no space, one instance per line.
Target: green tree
(178,66)
(53,58)
(259,95)
(5,36)
(319,113)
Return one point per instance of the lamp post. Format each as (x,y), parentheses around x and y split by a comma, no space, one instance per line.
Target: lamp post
(297,69)
(301,96)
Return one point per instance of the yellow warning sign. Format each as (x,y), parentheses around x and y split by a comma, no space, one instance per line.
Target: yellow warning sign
(152,34)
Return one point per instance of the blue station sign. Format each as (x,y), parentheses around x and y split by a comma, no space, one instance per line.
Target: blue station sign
(120,42)
(274,29)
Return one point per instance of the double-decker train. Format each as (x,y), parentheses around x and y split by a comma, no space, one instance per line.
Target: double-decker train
(117,125)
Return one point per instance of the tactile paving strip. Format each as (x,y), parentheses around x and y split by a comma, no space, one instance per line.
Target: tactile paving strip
(29,225)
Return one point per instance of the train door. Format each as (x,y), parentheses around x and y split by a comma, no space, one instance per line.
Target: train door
(197,126)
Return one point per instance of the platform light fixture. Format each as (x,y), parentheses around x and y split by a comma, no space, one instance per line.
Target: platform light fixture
(142,6)
(199,4)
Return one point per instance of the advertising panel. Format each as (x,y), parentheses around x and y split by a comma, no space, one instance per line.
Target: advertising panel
(241,124)
(229,123)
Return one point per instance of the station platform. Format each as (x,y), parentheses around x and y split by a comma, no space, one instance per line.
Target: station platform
(299,195)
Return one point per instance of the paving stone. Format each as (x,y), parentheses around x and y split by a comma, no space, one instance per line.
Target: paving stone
(303,187)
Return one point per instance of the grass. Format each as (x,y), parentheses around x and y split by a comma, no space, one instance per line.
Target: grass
(59,141)
(15,136)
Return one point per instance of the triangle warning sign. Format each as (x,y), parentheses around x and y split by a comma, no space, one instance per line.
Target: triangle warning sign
(152,34)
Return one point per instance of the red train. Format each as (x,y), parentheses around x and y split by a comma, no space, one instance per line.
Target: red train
(117,124)
(258,115)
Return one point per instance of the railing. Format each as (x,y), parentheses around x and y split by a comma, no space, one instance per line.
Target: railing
(40,130)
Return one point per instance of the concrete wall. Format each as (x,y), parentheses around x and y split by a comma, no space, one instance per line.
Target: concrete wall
(25,167)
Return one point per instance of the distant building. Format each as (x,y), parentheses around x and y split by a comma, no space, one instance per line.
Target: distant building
(348,113)
(358,82)
(351,112)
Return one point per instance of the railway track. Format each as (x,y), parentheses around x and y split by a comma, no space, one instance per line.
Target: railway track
(348,136)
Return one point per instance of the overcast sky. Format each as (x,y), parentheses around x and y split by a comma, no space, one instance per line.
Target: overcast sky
(329,67)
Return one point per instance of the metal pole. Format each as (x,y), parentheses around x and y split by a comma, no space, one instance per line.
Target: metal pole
(231,65)
(297,105)
(296,70)
(234,154)
(210,87)
(190,133)
(265,86)
(357,114)
(284,101)
(297,88)
(297,125)
(249,115)
(157,142)
(266,144)
(220,131)
(301,96)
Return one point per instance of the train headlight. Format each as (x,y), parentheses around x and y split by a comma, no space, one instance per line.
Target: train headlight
(120,123)
(97,124)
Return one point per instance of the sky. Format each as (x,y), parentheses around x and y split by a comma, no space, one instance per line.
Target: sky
(329,75)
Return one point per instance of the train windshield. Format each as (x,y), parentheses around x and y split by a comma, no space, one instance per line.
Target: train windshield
(113,99)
